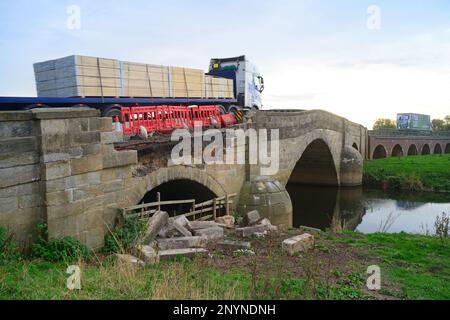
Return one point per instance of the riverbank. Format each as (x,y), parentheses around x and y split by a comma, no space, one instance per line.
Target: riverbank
(416,173)
(412,267)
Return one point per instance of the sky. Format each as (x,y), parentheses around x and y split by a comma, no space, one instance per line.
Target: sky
(362,60)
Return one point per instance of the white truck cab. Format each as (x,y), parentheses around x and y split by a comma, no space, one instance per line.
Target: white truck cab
(248,82)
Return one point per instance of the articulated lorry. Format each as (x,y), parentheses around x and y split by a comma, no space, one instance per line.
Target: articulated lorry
(109,85)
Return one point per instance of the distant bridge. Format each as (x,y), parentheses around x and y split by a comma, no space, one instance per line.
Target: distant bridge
(399,143)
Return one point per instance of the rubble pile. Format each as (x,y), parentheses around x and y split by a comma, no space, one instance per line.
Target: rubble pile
(166,238)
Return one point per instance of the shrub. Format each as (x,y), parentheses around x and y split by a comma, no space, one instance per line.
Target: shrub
(65,249)
(124,237)
(394,183)
(442,226)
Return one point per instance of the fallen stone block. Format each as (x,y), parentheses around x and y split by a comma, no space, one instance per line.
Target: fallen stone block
(172,254)
(197,225)
(182,230)
(154,226)
(252,218)
(248,232)
(148,254)
(311,229)
(212,233)
(130,260)
(265,222)
(226,220)
(182,243)
(301,243)
(234,245)
(184,222)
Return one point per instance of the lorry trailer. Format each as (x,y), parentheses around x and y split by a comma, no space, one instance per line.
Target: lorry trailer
(247,87)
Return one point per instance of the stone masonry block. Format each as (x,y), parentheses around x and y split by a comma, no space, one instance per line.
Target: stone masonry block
(55,170)
(103,124)
(29,201)
(84,138)
(63,211)
(120,159)
(18,145)
(111,137)
(19,175)
(18,159)
(86,192)
(59,198)
(86,164)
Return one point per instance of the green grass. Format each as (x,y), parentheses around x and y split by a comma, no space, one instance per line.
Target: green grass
(418,267)
(417,173)
(413,267)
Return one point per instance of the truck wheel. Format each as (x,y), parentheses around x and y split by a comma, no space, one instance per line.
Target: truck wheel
(223,110)
(112,112)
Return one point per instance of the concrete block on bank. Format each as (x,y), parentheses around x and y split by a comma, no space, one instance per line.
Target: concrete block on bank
(226,220)
(212,233)
(188,253)
(154,226)
(148,254)
(197,225)
(182,243)
(130,260)
(301,243)
(252,218)
(248,232)
(234,245)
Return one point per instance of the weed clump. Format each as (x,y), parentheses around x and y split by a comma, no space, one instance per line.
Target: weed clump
(65,249)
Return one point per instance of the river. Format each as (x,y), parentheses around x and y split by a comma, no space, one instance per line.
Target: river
(366,211)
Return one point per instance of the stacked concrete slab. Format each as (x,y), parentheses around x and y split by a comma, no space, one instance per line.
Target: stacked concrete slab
(82,76)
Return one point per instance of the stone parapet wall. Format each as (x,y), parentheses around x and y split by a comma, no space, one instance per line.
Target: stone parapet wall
(59,166)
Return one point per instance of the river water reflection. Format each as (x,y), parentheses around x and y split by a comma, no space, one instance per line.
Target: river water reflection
(367,211)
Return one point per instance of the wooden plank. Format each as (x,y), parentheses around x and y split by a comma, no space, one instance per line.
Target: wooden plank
(162,203)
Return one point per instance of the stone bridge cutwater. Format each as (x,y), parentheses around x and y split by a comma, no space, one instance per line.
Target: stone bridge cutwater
(396,143)
(67,168)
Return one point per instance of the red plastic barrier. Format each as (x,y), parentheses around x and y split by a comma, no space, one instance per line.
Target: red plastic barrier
(164,119)
(228,120)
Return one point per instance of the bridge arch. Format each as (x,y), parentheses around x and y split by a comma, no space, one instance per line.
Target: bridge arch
(316,166)
(169,178)
(379,152)
(426,150)
(397,151)
(447,148)
(412,151)
(437,149)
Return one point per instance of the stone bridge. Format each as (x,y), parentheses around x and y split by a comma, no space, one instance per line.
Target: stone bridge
(396,143)
(68,169)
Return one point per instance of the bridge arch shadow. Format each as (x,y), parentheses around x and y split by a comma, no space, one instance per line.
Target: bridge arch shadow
(182,189)
(316,166)
(426,150)
(447,148)
(437,149)
(169,180)
(397,151)
(412,151)
(379,152)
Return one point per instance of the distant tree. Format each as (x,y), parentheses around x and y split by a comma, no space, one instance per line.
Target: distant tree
(438,125)
(385,124)
(447,122)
